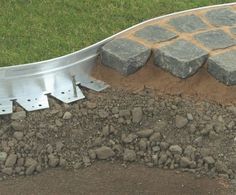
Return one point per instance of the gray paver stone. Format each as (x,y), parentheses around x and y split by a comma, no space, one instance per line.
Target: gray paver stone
(124,55)
(181,58)
(221,17)
(215,39)
(155,34)
(188,23)
(223,67)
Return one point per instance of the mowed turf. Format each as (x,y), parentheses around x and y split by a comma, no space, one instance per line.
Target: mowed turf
(34,30)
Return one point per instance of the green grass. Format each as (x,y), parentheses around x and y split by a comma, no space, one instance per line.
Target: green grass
(34,30)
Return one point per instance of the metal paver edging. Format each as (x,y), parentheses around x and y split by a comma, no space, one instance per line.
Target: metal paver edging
(29,84)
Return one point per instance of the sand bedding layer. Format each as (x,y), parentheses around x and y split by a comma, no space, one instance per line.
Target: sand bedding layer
(200,86)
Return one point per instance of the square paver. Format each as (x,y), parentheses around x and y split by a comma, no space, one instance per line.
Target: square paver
(221,17)
(223,67)
(155,34)
(188,23)
(124,55)
(181,58)
(215,39)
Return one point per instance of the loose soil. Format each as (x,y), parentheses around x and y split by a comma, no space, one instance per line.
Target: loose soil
(108,178)
(193,138)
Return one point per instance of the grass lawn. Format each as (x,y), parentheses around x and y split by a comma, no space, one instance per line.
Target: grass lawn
(34,30)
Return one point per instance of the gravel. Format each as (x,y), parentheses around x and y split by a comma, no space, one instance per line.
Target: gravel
(166,132)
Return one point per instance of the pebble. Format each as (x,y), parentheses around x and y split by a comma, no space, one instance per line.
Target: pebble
(221,167)
(3,156)
(18,135)
(189,116)
(7,171)
(145,133)
(53,161)
(67,115)
(209,160)
(185,162)
(129,155)
(11,160)
(180,121)
(103,114)
(137,115)
(18,125)
(155,137)
(128,139)
(18,115)
(104,152)
(143,144)
(175,149)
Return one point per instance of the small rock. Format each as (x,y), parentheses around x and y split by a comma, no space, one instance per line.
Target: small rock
(145,133)
(62,162)
(7,171)
(105,131)
(39,168)
(180,121)
(11,160)
(137,115)
(58,123)
(104,152)
(185,162)
(59,146)
(189,152)
(3,156)
(103,114)
(128,139)
(17,125)
(155,137)
(18,135)
(163,158)
(124,113)
(232,109)
(29,162)
(30,170)
(143,144)
(53,161)
(164,146)
(209,160)
(175,149)
(92,154)
(129,155)
(189,116)
(18,115)
(67,116)
(91,105)
(221,167)
(86,161)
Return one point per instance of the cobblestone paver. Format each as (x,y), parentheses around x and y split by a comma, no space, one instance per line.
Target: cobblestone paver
(155,34)
(181,45)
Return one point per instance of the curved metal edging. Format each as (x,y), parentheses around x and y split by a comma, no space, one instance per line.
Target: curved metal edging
(28,84)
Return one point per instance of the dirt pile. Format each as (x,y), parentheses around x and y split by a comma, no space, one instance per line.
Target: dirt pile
(159,131)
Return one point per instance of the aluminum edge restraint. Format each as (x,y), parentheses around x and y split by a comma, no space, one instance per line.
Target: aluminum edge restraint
(30,84)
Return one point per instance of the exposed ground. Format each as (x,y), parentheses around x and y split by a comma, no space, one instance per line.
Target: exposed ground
(158,131)
(150,133)
(106,178)
(39,30)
